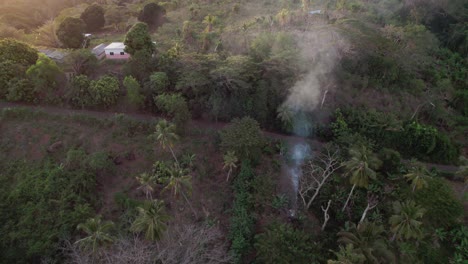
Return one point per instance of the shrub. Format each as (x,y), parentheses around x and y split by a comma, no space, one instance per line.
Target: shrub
(105,91)
(176,106)
(20,90)
(241,230)
(443,209)
(133,91)
(244,137)
(79,94)
(284,244)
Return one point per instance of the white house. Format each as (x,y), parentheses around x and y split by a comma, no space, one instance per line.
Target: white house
(115,50)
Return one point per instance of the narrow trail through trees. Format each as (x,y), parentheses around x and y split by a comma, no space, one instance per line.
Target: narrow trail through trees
(194,124)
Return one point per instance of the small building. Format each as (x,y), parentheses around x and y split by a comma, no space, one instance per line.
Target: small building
(56,55)
(99,51)
(315,12)
(115,50)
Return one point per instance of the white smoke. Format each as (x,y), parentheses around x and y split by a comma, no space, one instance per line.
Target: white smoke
(321,49)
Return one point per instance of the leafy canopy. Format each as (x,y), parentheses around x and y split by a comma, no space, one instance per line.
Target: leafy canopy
(70,32)
(93,16)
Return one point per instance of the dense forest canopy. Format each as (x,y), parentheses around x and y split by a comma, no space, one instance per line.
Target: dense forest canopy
(233,131)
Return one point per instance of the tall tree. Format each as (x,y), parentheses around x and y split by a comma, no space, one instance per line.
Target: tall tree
(418,175)
(244,137)
(93,16)
(139,40)
(152,14)
(166,136)
(361,166)
(44,75)
(405,223)
(71,32)
(134,95)
(151,219)
(147,182)
(97,233)
(82,61)
(179,182)
(230,161)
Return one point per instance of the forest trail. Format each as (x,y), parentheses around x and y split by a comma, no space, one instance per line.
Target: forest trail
(196,124)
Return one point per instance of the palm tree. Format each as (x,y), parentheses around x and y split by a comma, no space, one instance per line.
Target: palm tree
(418,175)
(151,219)
(305,5)
(147,182)
(283,16)
(348,255)
(209,20)
(97,233)
(368,239)
(230,161)
(165,134)
(361,166)
(405,222)
(179,182)
(286,115)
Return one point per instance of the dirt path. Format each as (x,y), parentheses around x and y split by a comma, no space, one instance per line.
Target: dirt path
(195,124)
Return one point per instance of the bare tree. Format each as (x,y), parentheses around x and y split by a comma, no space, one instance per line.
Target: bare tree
(371,204)
(193,244)
(326,215)
(316,174)
(124,250)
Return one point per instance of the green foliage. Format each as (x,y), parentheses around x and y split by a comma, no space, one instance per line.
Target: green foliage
(412,139)
(368,239)
(133,91)
(17,52)
(241,230)
(20,90)
(405,223)
(79,94)
(244,137)
(93,16)
(70,32)
(151,219)
(348,255)
(97,233)
(39,206)
(158,83)
(82,61)
(176,106)
(443,209)
(104,91)
(139,39)
(362,166)
(44,75)
(100,162)
(152,14)
(391,160)
(9,70)
(283,244)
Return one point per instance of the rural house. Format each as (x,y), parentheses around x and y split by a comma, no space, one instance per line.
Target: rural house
(115,50)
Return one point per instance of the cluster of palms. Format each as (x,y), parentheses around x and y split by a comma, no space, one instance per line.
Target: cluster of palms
(368,239)
(152,218)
